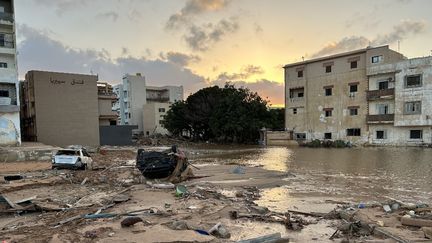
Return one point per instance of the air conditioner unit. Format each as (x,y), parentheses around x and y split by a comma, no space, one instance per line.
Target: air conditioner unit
(5,101)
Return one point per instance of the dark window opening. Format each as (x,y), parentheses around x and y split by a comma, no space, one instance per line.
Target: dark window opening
(4,93)
(113,123)
(380,135)
(328,92)
(353,132)
(376,59)
(328,69)
(353,64)
(3,65)
(300,74)
(300,136)
(300,95)
(295,111)
(353,111)
(161,109)
(353,88)
(382,85)
(413,81)
(129,115)
(327,135)
(416,134)
(328,113)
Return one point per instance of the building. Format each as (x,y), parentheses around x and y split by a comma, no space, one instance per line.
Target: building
(106,99)
(60,108)
(10,131)
(400,102)
(325,98)
(144,105)
(117,106)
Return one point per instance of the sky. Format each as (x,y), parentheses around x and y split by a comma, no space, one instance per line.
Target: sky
(199,43)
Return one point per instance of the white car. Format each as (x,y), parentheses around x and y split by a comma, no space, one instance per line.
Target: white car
(72,158)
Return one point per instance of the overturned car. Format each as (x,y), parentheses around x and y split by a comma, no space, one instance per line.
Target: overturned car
(72,157)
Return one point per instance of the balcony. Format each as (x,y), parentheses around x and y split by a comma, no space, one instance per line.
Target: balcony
(380,94)
(296,99)
(107,96)
(381,118)
(7,17)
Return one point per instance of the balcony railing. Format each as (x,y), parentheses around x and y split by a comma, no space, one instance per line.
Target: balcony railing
(378,94)
(7,17)
(296,99)
(381,118)
(158,98)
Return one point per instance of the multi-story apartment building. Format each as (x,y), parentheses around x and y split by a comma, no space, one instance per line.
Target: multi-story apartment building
(117,106)
(138,103)
(400,102)
(106,99)
(325,98)
(10,132)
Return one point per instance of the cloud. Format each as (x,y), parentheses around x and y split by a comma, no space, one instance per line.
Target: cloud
(258,29)
(399,32)
(245,73)
(201,38)
(194,7)
(179,58)
(38,51)
(108,15)
(62,6)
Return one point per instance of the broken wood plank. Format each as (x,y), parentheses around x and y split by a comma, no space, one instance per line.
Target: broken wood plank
(416,222)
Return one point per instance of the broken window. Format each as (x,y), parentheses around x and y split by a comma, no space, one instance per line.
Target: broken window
(377,59)
(380,134)
(413,107)
(351,132)
(353,64)
(3,65)
(328,91)
(4,93)
(327,135)
(328,69)
(416,134)
(353,88)
(161,109)
(382,85)
(413,81)
(294,111)
(300,73)
(353,111)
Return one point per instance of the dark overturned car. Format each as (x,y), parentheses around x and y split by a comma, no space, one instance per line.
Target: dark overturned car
(171,164)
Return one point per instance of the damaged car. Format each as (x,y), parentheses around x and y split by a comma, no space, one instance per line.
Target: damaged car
(72,158)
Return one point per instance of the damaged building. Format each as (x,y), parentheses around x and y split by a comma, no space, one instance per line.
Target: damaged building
(10,132)
(373,95)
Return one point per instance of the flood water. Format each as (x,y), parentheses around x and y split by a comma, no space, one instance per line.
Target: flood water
(355,174)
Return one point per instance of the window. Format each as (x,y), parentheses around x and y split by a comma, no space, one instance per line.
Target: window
(129,114)
(295,111)
(300,136)
(301,94)
(328,92)
(413,107)
(328,69)
(353,111)
(353,88)
(353,64)
(416,134)
(327,135)
(382,109)
(113,123)
(300,73)
(353,132)
(4,93)
(381,134)
(161,109)
(3,65)
(377,59)
(413,81)
(328,112)
(382,85)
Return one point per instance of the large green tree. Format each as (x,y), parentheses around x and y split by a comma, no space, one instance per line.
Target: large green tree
(227,114)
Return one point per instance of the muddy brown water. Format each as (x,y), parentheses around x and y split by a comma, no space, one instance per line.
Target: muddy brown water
(355,174)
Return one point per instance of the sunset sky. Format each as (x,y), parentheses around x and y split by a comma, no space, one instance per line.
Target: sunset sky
(197,43)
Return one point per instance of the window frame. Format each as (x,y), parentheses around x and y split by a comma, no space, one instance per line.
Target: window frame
(354,62)
(416,130)
(328,89)
(328,69)
(378,58)
(413,86)
(384,135)
(3,65)
(413,104)
(326,137)
(353,132)
(300,74)
(351,111)
(328,112)
(353,85)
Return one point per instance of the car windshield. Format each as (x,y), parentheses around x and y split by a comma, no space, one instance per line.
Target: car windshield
(67,152)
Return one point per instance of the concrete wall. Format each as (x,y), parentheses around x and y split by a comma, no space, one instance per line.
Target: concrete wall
(116,135)
(66,107)
(399,136)
(153,117)
(279,138)
(136,98)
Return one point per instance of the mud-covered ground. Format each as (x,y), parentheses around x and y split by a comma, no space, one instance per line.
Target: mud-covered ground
(259,185)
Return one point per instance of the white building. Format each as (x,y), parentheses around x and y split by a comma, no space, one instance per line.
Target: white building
(144,105)
(400,103)
(10,132)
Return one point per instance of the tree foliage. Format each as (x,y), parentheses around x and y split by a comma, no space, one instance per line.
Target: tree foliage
(227,114)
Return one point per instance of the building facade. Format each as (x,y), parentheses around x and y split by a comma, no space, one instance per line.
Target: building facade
(106,99)
(400,102)
(140,104)
(60,108)
(10,131)
(325,98)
